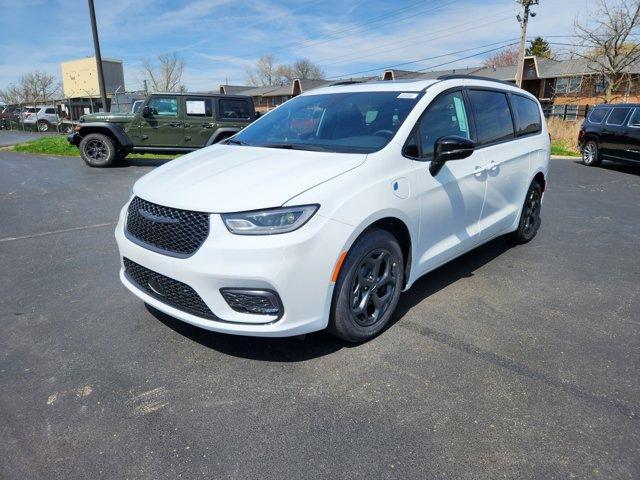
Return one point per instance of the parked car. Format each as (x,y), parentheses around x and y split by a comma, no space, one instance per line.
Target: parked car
(611,132)
(287,227)
(42,117)
(165,123)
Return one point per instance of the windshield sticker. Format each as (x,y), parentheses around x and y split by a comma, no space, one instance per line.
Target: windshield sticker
(408,95)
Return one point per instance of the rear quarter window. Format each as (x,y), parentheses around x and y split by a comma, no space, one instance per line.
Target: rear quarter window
(234,108)
(527,115)
(597,115)
(491,115)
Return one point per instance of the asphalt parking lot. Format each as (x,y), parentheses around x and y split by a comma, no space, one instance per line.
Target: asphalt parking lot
(12,137)
(509,362)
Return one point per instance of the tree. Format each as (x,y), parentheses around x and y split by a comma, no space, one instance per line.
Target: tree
(33,87)
(606,43)
(504,58)
(266,73)
(167,74)
(539,47)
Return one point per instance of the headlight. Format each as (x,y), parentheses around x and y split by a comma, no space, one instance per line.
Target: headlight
(269,222)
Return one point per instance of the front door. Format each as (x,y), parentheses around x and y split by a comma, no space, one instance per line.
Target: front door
(450,199)
(199,121)
(163,127)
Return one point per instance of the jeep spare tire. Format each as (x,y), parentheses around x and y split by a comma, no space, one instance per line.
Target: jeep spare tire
(97,150)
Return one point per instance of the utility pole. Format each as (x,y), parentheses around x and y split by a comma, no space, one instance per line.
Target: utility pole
(96,46)
(523,21)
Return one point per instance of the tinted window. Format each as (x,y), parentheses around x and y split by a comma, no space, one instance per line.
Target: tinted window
(234,108)
(445,116)
(491,115)
(635,118)
(346,122)
(50,110)
(527,115)
(598,114)
(164,106)
(199,107)
(617,116)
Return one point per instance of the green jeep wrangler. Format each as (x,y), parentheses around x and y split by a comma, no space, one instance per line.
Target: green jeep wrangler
(166,123)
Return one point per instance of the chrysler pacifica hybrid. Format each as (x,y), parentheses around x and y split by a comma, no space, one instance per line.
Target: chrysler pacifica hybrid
(319,214)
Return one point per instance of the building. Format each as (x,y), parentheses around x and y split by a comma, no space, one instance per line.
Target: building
(81,87)
(565,88)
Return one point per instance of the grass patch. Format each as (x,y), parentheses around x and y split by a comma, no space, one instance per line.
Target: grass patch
(558,147)
(58,145)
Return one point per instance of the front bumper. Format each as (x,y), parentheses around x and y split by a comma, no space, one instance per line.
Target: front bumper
(297,265)
(74,139)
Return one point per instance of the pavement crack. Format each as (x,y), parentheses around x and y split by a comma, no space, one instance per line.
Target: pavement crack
(55,232)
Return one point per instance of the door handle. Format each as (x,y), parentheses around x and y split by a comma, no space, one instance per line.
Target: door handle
(207,125)
(478,171)
(492,165)
(175,124)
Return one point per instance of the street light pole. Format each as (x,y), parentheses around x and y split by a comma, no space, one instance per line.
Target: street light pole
(96,45)
(523,21)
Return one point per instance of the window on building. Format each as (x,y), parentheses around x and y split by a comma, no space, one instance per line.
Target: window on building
(618,115)
(491,115)
(234,108)
(527,115)
(199,107)
(569,84)
(601,85)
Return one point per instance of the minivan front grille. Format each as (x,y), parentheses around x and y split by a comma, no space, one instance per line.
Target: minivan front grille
(170,231)
(172,292)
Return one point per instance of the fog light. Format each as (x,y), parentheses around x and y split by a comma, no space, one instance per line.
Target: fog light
(259,302)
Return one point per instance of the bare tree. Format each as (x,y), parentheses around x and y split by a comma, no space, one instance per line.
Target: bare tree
(166,76)
(504,58)
(606,43)
(33,87)
(267,73)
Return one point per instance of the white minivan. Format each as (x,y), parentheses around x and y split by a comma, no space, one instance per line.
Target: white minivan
(319,214)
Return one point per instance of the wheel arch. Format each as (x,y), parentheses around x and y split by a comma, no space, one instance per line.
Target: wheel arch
(221,134)
(112,131)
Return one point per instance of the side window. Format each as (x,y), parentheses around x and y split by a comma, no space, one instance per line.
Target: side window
(597,115)
(618,116)
(491,115)
(50,111)
(446,115)
(635,118)
(234,108)
(163,106)
(527,115)
(199,107)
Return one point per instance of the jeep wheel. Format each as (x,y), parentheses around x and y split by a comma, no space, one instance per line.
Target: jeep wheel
(97,150)
(43,126)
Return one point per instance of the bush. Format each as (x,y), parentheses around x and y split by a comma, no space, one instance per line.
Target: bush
(564,136)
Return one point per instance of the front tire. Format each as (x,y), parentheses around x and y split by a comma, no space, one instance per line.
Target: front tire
(97,150)
(591,154)
(368,287)
(530,216)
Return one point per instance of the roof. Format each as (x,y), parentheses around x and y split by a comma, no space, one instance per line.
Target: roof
(230,89)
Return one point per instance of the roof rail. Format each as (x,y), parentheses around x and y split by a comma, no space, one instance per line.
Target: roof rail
(474,77)
(345,82)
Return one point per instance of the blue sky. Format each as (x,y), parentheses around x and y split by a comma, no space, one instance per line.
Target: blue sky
(219,39)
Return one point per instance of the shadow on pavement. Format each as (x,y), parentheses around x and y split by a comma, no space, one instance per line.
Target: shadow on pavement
(627,167)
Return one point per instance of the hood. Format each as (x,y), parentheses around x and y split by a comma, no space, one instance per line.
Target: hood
(112,117)
(232,178)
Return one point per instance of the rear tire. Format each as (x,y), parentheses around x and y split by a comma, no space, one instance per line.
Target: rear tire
(97,150)
(591,154)
(530,215)
(368,287)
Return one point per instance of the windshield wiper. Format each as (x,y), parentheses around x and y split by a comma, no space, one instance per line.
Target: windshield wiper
(297,146)
(234,141)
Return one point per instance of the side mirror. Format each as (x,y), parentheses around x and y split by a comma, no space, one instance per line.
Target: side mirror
(412,151)
(453,148)
(145,112)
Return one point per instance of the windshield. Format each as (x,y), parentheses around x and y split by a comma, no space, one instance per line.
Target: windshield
(350,122)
